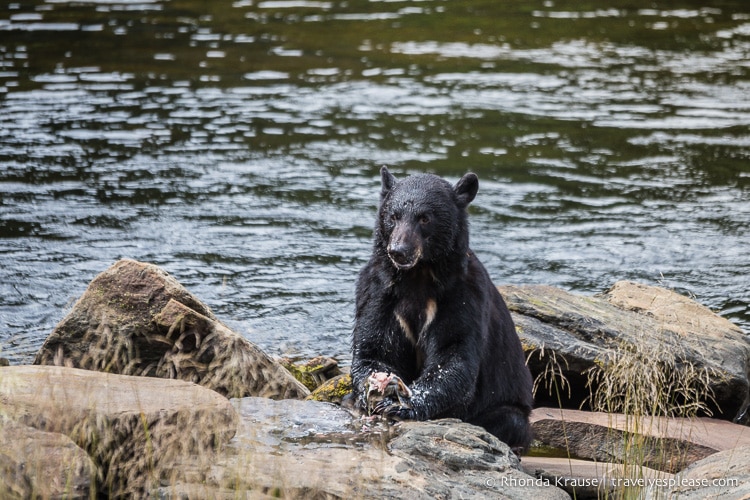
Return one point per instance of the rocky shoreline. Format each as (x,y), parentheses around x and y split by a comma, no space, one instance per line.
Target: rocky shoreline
(141,391)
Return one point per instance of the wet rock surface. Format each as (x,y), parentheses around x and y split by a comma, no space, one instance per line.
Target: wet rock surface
(303,449)
(173,439)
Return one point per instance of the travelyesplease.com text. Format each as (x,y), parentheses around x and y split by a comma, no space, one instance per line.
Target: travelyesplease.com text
(611,482)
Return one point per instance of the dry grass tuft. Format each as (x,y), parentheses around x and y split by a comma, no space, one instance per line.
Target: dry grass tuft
(643,381)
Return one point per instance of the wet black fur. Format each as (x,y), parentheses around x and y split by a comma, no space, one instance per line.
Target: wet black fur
(468,363)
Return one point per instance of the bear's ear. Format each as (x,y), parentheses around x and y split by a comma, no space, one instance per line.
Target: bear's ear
(388,181)
(466,189)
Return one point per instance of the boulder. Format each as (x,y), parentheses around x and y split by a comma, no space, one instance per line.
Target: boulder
(136,429)
(723,475)
(692,353)
(135,319)
(309,449)
(720,341)
(38,464)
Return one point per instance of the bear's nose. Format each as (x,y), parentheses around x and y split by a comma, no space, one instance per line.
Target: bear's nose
(402,255)
(398,253)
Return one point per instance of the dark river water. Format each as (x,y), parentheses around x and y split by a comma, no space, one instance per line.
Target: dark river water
(237,145)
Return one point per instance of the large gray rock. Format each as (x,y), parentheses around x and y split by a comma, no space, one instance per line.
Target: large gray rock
(308,449)
(651,324)
(723,475)
(38,464)
(135,319)
(136,429)
(147,443)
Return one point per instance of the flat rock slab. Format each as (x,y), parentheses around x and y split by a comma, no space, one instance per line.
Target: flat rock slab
(134,428)
(666,444)
(309,449)
(698,450)
(718,435)
(580,333)
(135,319)
(38,464)
(675,312)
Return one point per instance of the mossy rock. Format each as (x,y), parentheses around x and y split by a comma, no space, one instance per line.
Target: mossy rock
(333,390)
(314,372)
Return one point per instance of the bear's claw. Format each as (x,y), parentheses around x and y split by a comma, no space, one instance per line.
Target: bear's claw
(383,405)
(397,412)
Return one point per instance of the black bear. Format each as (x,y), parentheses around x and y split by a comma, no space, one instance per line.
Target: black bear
(429,323)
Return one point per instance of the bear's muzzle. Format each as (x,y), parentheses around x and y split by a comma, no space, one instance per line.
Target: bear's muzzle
(403,253)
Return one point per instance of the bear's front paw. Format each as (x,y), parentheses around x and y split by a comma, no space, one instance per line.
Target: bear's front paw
(383,390)
(390,408)
(381,406)
(398,412)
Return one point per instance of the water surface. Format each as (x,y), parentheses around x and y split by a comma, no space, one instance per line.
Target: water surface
(237,145)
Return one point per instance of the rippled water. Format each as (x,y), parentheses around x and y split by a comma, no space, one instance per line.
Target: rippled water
(237,145)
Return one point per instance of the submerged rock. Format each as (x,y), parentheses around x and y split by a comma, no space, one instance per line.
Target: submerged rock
(135,319)
(691,351)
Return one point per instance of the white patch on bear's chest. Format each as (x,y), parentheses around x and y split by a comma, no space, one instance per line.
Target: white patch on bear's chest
(417,321)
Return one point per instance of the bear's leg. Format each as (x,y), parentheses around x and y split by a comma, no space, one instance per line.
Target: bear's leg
(510,424)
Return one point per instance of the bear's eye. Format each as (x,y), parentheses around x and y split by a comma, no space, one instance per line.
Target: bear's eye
(395,217)
(424,219)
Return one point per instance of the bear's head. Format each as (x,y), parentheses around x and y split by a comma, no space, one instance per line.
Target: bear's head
(422,218)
